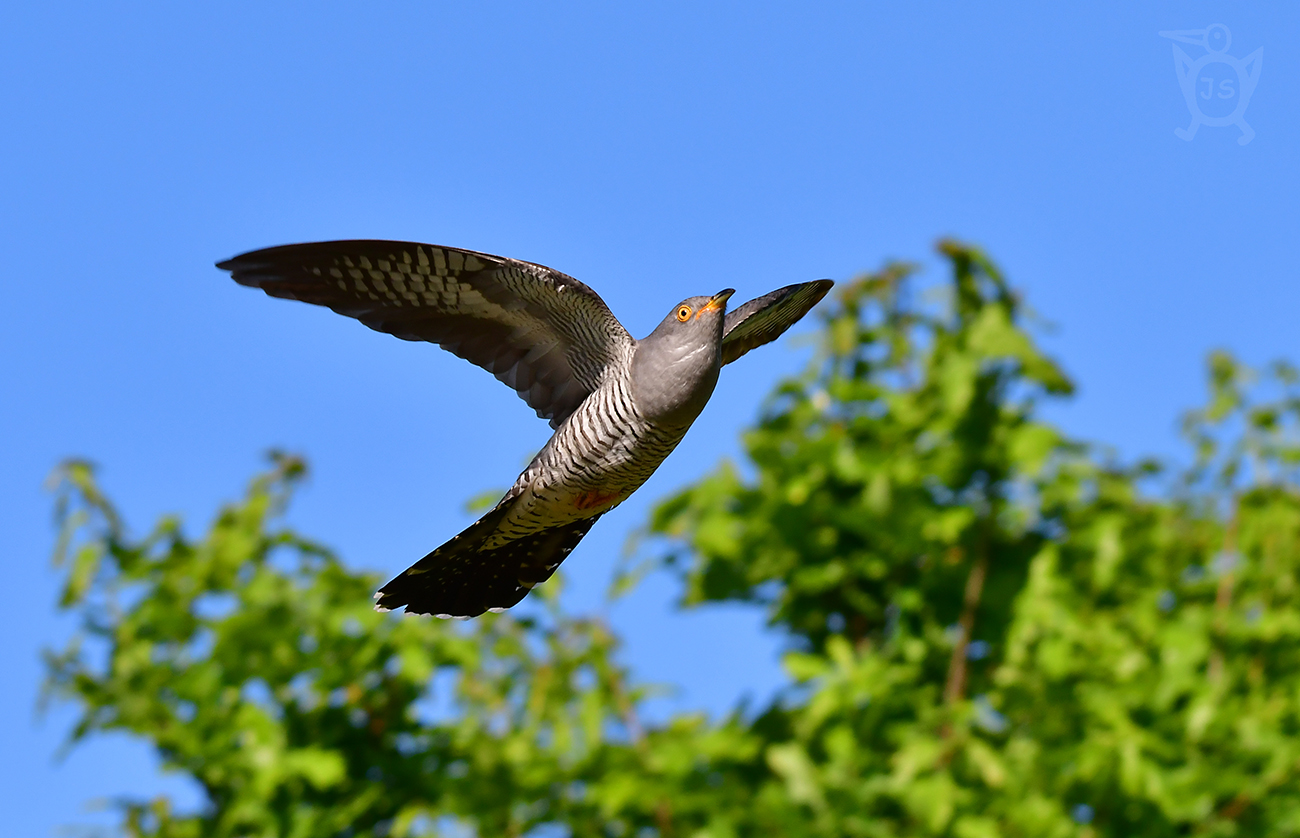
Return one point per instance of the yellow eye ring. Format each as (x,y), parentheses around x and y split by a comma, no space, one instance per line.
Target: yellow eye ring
(684,313)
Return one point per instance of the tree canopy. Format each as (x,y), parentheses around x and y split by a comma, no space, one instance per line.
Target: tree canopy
(992,629)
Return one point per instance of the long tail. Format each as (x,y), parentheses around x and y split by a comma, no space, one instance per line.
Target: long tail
(463,579)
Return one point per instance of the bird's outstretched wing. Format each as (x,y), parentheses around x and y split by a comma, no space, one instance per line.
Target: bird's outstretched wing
(766,318)
(543,333)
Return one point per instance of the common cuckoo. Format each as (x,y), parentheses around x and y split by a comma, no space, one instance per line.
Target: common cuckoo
(618,405)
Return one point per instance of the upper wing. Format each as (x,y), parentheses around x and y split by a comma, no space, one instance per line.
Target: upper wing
(543,333)
(766,318)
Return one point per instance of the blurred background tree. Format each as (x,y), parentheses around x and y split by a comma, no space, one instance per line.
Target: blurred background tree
(992,629)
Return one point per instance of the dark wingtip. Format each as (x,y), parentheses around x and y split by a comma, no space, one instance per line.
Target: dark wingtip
(821,287)
(253,269)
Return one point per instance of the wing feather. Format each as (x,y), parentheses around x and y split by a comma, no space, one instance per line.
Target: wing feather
(546,335)
(766,318)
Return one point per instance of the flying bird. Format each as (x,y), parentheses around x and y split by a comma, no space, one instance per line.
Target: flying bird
(618,405)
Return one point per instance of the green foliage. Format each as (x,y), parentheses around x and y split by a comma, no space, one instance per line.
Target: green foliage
(992,630)
(254,662)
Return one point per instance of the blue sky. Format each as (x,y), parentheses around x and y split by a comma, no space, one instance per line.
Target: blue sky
(653,153)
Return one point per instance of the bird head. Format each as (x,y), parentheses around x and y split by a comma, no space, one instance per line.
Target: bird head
(1215,38)
(694,316)
(676,366)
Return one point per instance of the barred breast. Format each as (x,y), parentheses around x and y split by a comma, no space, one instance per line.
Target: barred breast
(596,459)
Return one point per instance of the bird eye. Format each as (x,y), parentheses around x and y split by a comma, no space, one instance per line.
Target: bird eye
(684,313)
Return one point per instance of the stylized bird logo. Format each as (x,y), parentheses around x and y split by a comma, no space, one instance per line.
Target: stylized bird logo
(1215,39)
(618,405)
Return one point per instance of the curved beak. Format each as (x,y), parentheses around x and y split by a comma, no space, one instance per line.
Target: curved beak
(1187,36)
(719,301)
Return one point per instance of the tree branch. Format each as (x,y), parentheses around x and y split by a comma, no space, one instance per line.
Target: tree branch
(955,687)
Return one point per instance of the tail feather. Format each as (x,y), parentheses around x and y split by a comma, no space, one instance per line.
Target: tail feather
(463,579)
